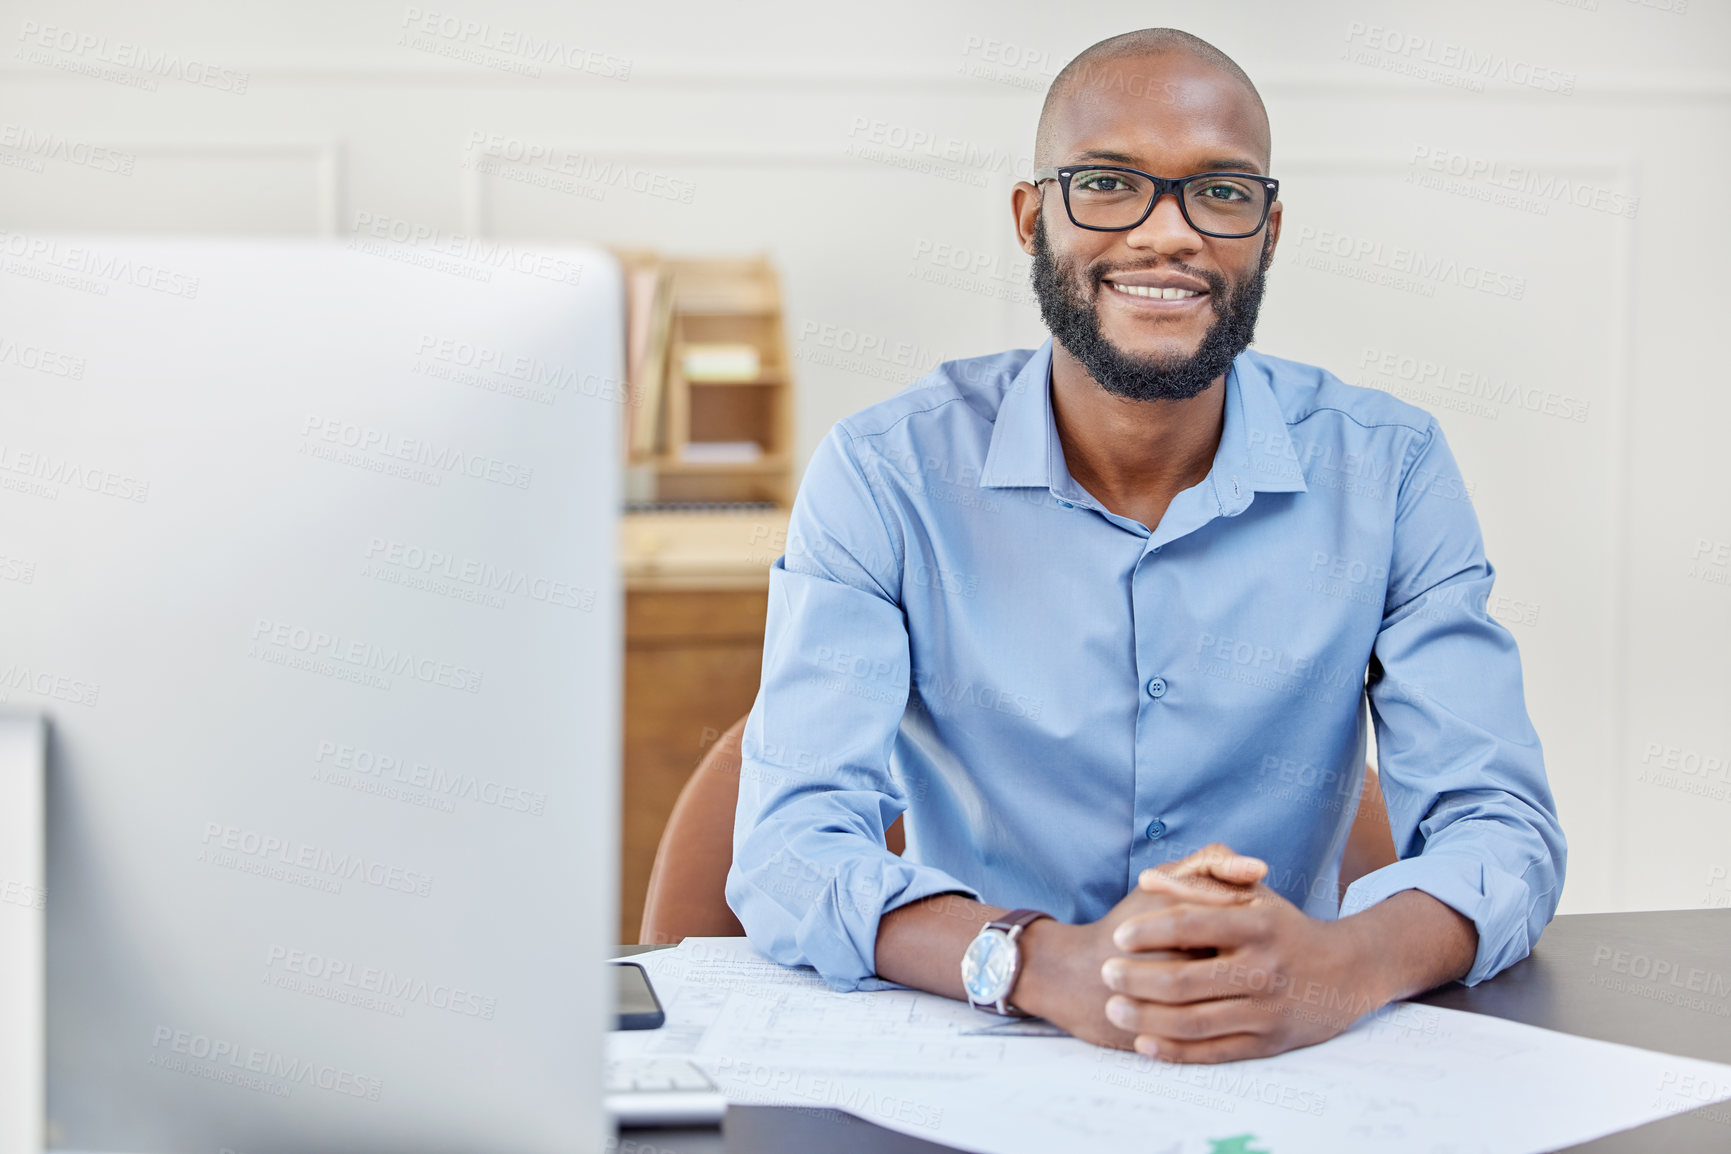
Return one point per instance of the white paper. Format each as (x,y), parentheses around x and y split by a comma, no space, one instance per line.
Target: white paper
(1411,1077)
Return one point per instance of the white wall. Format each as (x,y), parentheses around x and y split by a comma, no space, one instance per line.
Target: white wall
(1612,533)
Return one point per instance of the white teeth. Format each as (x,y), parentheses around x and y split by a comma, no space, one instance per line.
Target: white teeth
(1165,294)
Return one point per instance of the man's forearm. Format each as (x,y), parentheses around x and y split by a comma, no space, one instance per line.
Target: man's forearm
(922,943)
(1410,942)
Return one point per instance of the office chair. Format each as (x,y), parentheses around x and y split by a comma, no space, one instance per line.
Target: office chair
(687,885)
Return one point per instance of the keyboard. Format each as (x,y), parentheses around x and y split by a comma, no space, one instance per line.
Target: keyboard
(661,1092)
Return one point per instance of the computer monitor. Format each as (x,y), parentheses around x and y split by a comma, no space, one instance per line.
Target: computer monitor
(323,611)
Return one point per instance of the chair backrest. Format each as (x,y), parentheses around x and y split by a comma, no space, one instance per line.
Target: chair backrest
(687,883)
(687,886)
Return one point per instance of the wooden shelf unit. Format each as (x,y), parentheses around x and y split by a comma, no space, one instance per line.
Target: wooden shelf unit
(731,302)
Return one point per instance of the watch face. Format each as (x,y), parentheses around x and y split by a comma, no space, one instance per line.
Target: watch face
(989,966)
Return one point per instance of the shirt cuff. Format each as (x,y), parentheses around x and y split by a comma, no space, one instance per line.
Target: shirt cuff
(845,974)
(1500,905)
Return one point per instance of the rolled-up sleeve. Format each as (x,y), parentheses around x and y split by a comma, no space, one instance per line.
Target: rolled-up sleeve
(811,876)
(1471,811)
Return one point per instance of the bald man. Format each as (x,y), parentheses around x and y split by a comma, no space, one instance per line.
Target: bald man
(1117,613)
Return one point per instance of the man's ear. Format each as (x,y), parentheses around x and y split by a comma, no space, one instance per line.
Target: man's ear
(1273,235)
(1025,205)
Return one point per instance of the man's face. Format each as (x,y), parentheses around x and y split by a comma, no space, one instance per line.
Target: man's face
(1172,116)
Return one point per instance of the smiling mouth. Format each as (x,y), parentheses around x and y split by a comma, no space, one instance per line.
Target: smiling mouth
(1150,292)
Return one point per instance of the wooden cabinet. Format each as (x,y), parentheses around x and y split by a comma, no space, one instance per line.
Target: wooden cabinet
(696,594)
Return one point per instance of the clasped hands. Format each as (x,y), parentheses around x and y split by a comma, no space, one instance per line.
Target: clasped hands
(1206,963)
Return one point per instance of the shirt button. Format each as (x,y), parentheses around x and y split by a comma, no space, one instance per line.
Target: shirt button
(1157,687)
(1156,549)
(1066,504)
(1155,829)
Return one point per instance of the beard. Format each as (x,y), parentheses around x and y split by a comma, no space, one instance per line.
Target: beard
(1074,321)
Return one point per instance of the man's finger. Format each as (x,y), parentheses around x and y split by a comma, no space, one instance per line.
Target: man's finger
(1175,980)
(1205,890)
(1232,1048)
(1218,861)
(1193,927)
(1219,1018)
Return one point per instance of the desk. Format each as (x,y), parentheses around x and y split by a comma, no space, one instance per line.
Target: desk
(1570,984)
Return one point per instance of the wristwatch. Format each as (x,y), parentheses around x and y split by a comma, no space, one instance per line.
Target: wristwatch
(993,961)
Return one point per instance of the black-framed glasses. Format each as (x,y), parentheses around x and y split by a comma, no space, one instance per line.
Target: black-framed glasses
(1106,198)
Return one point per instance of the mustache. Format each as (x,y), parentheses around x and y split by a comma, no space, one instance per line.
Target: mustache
(1217,285)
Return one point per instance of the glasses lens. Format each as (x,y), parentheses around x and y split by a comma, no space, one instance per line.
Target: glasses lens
(1100,198)
(1225,205)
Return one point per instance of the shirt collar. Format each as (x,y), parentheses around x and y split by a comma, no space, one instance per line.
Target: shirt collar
(1253,456)
(1018,455)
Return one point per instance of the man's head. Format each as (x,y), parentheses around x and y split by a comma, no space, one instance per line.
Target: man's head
(1167,103)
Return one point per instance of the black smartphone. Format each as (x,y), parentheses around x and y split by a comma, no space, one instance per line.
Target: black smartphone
(639,1008)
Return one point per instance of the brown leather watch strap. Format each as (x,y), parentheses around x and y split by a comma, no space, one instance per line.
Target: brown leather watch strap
(1017,918)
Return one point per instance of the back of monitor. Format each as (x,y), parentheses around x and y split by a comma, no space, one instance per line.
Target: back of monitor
(323,615)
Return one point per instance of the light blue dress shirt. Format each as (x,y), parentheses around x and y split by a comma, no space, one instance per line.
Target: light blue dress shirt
(1059,698)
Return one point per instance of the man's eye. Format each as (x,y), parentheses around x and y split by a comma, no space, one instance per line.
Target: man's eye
(1102,182)
(1226,192)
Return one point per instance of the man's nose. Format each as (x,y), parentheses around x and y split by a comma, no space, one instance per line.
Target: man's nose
(1165,230)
